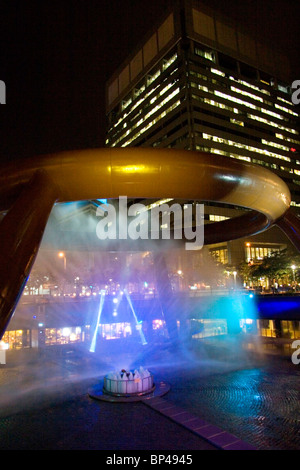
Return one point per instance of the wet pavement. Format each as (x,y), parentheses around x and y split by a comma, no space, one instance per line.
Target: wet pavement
(261,404)
(44,402)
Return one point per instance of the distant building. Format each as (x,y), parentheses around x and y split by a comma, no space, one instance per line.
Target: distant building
(200,82)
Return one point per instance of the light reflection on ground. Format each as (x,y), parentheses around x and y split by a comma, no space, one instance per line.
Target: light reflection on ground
(253,396)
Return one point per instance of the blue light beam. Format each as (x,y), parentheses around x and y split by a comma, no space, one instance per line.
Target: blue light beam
(94,340)
(138,324)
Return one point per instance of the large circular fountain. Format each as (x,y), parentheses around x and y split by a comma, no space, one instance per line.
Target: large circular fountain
(30,187)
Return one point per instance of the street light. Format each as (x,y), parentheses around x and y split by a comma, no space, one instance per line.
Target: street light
(293,268)
(61,254)
(179,279)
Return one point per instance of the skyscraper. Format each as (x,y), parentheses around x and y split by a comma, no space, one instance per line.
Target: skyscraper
(199,81)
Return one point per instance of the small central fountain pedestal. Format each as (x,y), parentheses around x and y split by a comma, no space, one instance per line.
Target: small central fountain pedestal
(129,386)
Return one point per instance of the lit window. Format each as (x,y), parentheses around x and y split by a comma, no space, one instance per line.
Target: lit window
(283,108)
(153,77)
(206,54)
(234,99)
(217,218)
(271,123)
(237,121)
(218,72)
(126,103)
(168,62)
(221,140)
(273,144)
(246,93)
(282,88)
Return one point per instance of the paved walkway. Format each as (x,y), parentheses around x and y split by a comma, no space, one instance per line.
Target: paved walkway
(211,405)
(213,434)
(86,424)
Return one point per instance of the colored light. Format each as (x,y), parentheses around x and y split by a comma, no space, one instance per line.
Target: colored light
(137,322)
(93,344)
(66,332)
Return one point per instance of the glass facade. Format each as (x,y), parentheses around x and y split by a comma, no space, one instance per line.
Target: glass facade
(17,339)
(220,254)
(150,101)
(64,335)
(256,252)
(193,96)
(288,329)
(115,330)
(198,98)
(205,328)
(55,336)
(198,328)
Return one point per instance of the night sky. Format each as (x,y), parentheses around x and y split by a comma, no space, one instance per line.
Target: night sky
(56,56)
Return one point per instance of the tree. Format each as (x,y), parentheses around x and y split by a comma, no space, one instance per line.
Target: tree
(274,267)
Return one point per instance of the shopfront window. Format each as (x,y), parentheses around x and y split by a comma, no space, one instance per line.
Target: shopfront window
(290,329)
(17,339)
(115,330)
(63,335)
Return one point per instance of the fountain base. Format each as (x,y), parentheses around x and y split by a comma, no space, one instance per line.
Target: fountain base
(128,386)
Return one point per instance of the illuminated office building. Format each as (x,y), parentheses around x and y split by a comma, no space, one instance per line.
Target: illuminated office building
(199,81)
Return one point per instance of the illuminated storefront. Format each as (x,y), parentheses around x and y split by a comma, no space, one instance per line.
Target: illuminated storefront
(115,330)
(17,339)
(288,329)
(204,328)
(63,335)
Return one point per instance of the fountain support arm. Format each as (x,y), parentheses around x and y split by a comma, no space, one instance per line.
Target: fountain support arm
(21,232)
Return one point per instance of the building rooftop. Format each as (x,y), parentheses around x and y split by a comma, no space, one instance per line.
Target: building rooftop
(196,21)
